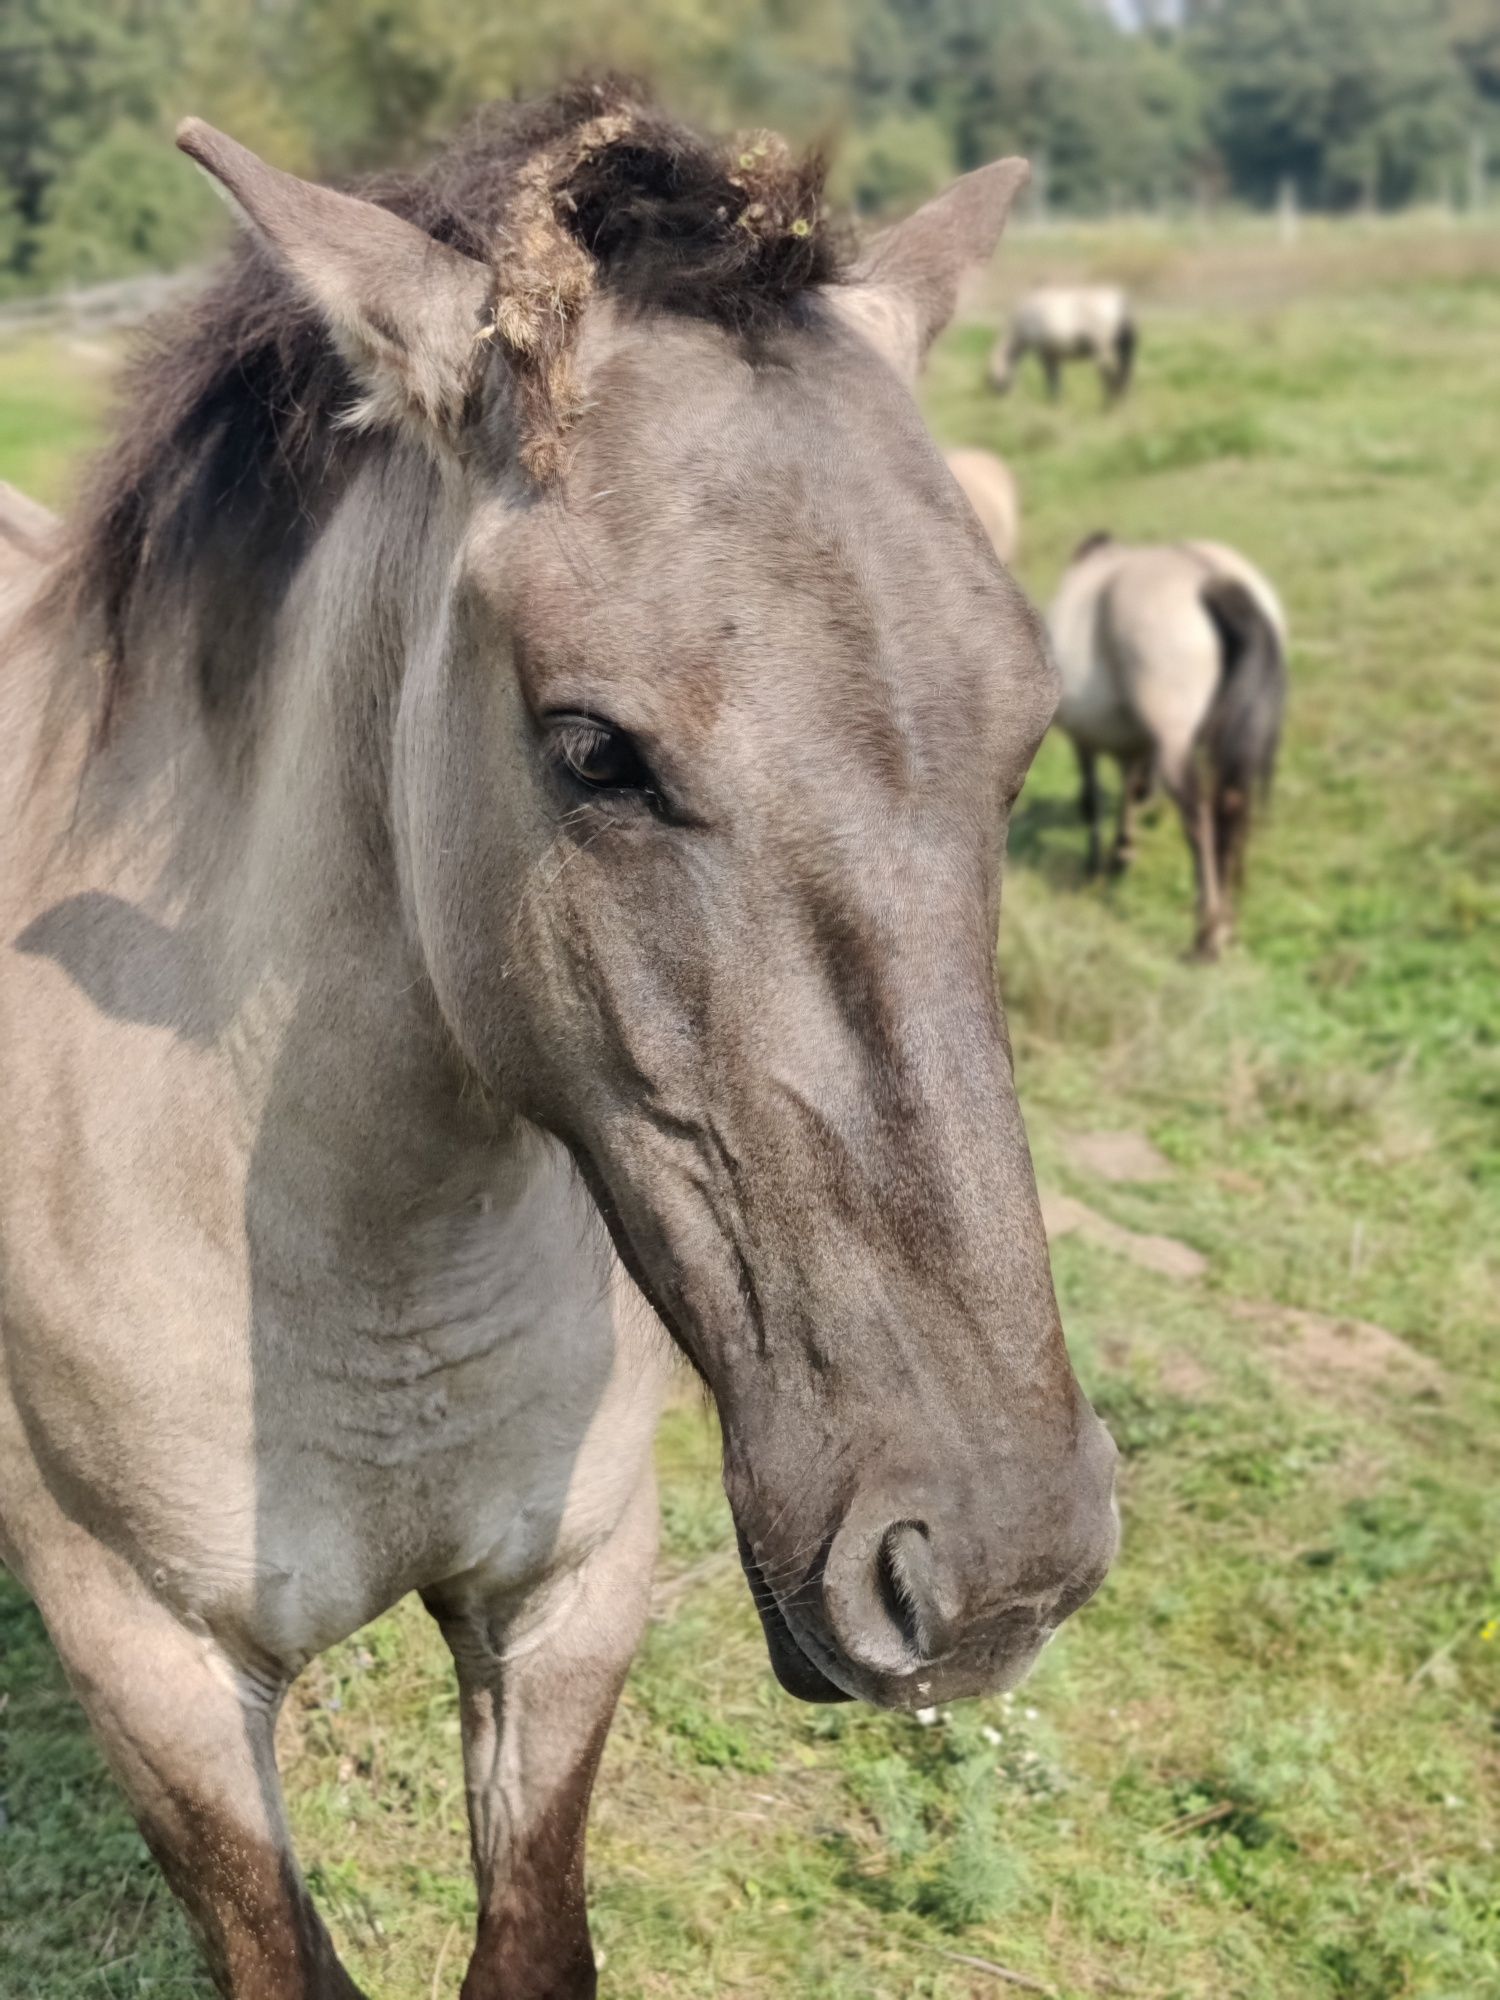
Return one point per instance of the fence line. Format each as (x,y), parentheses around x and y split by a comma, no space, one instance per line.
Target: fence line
(90,309)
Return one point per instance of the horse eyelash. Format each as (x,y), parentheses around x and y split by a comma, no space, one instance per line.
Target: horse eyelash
(587,731)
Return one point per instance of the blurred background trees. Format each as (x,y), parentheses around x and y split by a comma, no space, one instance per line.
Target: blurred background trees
(1126,103)
(1366,101)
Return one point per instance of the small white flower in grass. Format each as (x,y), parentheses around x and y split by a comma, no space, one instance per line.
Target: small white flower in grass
(926,1716)
(991,1734)
(1032,1714)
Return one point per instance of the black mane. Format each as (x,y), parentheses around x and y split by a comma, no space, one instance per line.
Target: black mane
(232,401)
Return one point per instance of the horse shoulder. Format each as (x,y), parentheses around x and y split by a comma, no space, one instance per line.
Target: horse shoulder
(1032,320)
(1090,704)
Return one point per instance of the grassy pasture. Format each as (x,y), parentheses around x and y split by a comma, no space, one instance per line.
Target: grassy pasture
(1264,1765)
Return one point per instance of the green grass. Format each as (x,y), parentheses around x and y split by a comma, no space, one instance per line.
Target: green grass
(1263,1764)
(53,394)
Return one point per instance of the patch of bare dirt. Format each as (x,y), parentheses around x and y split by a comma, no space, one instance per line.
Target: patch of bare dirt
(1121,1157)
(1183,1375)
(1311,1351)
(1178,1371)
(1062,1215)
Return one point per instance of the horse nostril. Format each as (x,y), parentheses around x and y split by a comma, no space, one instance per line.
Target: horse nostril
(907,1581)
(891,1596)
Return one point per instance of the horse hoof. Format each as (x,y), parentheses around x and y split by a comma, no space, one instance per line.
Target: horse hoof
(1208,949)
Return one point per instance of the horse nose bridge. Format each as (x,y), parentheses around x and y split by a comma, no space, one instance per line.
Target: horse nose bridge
(898,1079)
(890,922)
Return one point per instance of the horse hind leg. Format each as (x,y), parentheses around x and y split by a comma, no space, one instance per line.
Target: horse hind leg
(1231,837)
(535,1713)
(1195,804)
(190,1738)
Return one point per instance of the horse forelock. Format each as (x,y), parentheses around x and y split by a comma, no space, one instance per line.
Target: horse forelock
(237,405)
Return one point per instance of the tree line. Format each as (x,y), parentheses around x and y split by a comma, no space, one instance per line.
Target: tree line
(1127,103)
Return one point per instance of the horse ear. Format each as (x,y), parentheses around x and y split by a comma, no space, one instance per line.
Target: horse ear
(405,310)
(904,288)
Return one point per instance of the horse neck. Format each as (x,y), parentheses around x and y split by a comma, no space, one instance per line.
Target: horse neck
(282,871)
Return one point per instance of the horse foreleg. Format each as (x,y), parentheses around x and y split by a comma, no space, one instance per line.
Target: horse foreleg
(1052,368)
(1003,364)
(1135,786)
(189,1734)
(1088,804)
(537,1692)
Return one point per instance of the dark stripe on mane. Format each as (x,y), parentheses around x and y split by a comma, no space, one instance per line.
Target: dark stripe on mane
(230,446)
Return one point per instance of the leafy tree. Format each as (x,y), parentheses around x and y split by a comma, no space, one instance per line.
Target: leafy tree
(1130,101)
(125,205)
(1115,114)
(70,70)
(1354,99)
(1473,30)
(895,161)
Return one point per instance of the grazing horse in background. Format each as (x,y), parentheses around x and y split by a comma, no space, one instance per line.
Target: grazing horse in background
(1173,661)
(1070,323)
(990,487)
(503,787)
(25,528)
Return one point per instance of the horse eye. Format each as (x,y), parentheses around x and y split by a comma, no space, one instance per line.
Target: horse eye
(604,759)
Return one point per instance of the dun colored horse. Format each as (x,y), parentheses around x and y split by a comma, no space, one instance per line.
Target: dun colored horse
(1070,323)
(1174,663)
(990,487)
(502,792)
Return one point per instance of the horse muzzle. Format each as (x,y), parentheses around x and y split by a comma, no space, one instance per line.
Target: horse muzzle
(923,1594)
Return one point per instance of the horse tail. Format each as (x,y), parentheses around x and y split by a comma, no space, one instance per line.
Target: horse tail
(1241,732)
